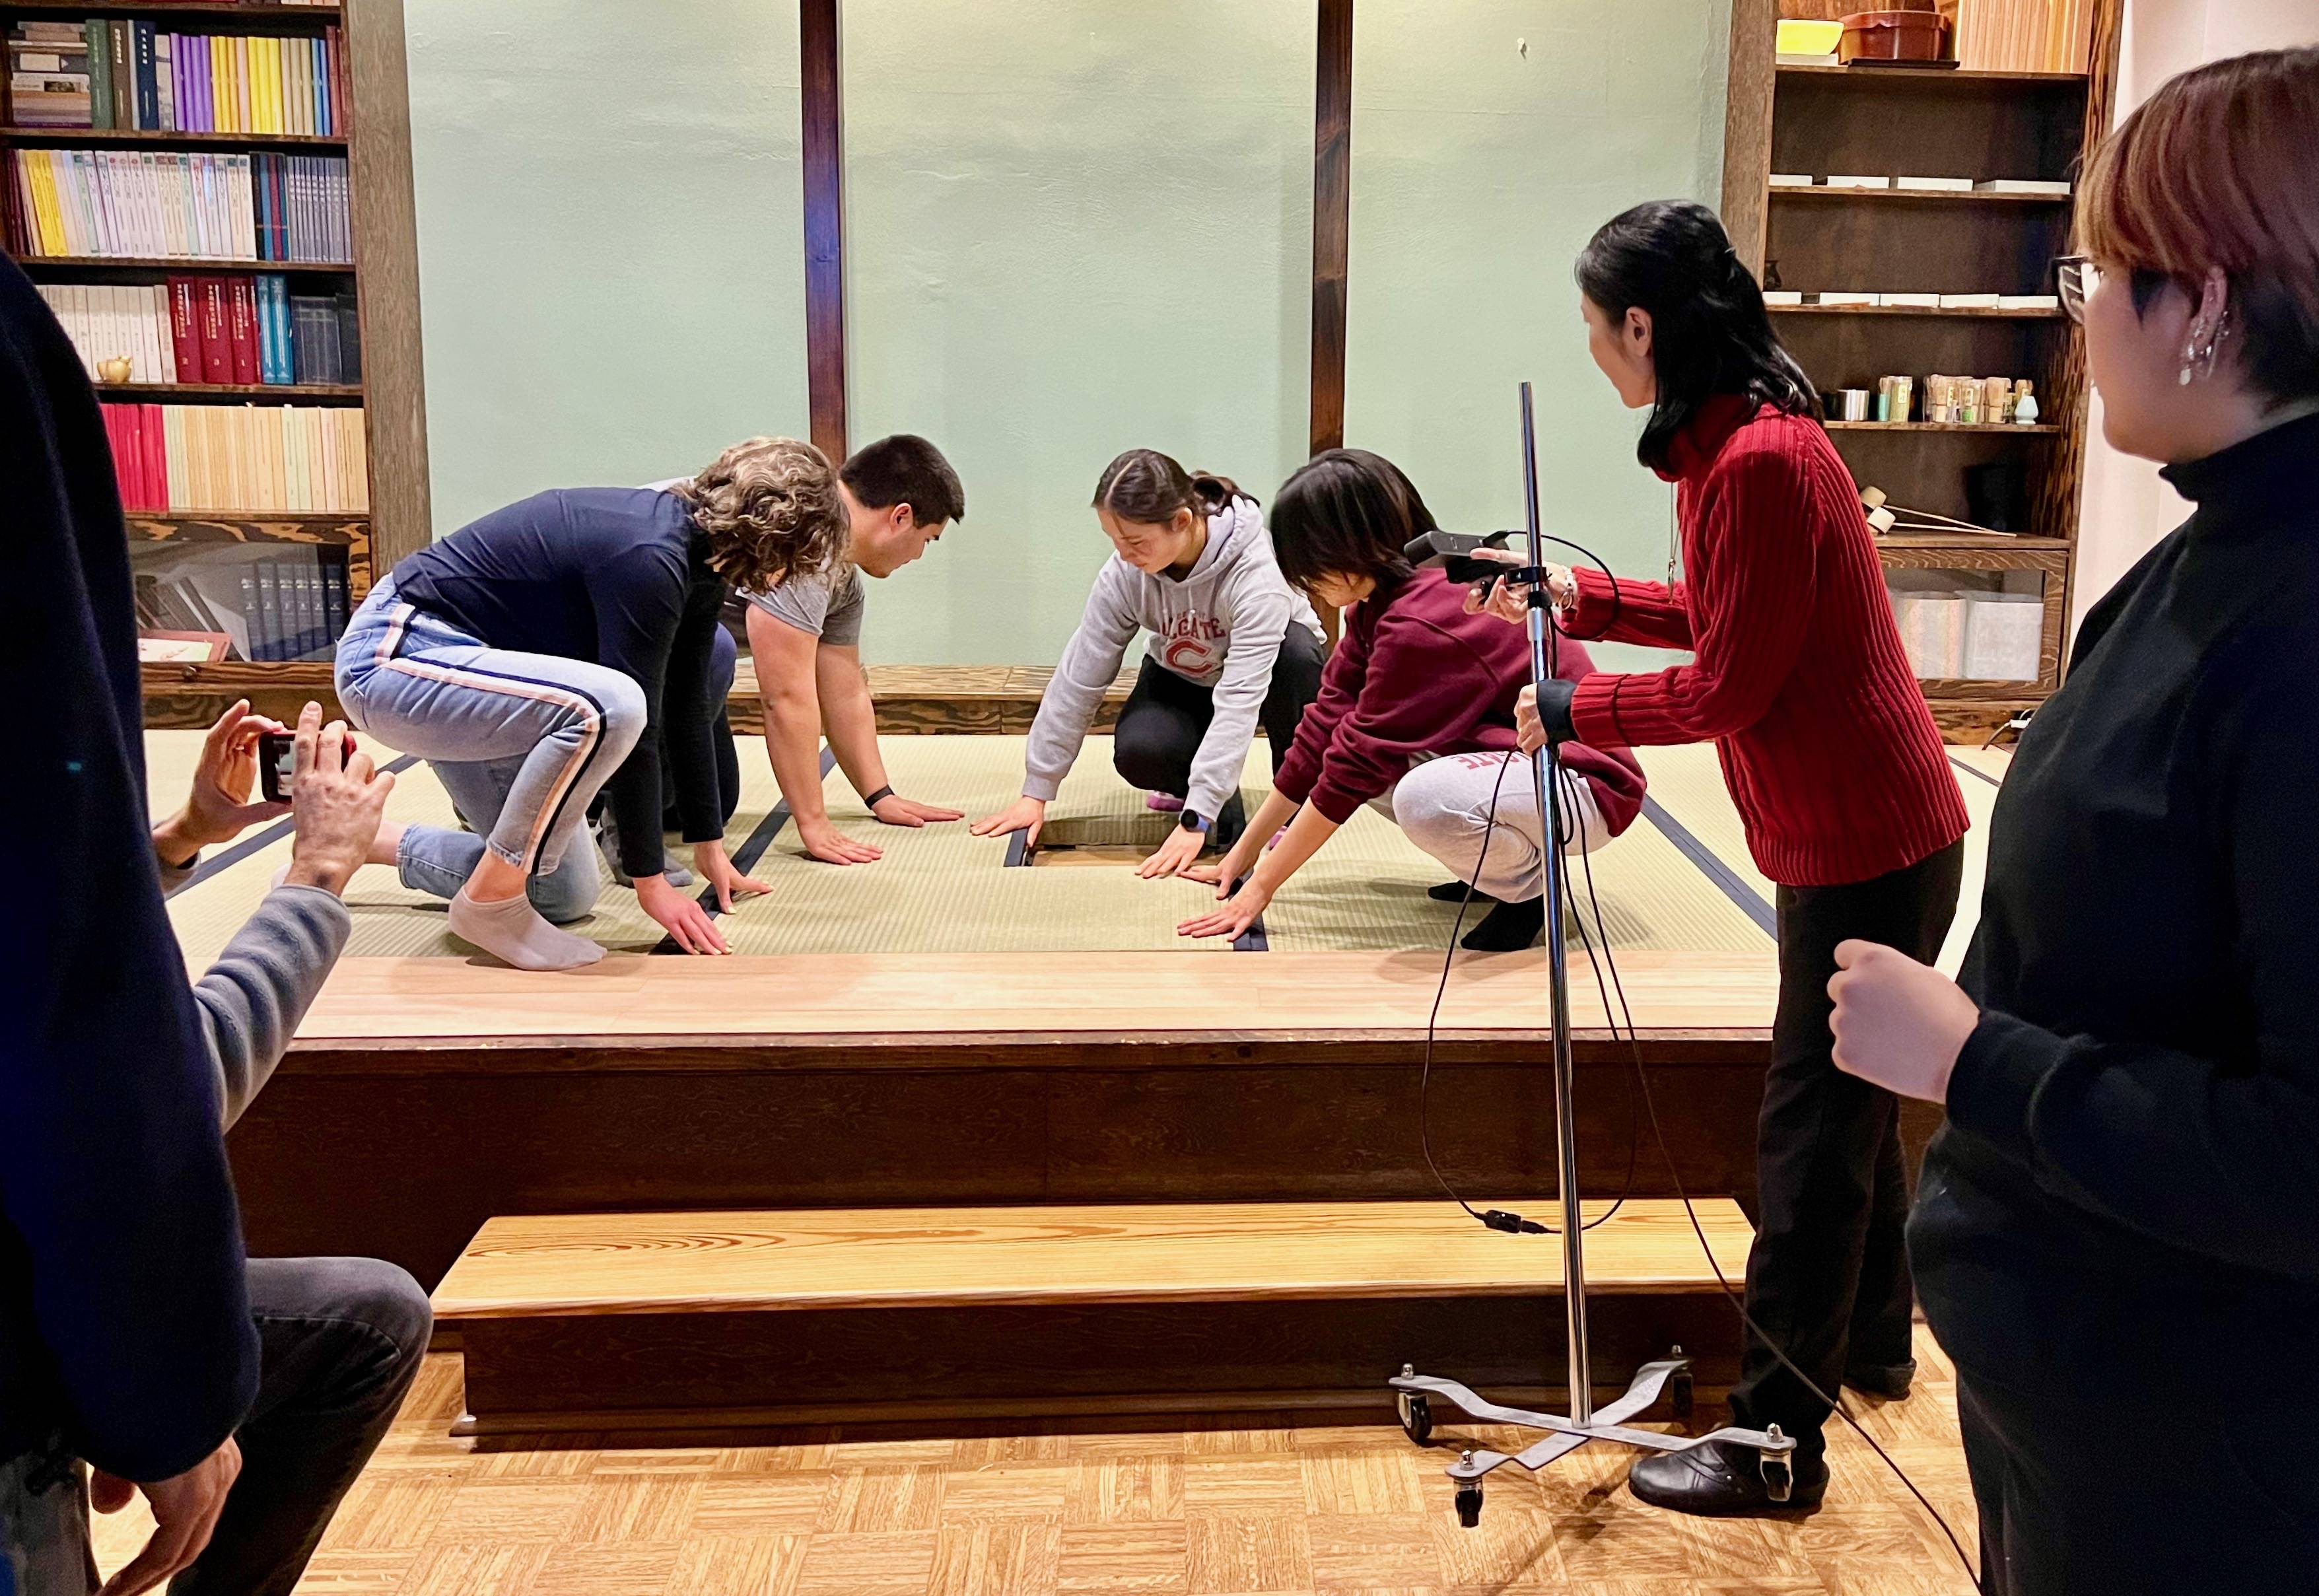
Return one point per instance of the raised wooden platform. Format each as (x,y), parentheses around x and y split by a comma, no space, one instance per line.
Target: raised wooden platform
(424,1097)
(710,1320)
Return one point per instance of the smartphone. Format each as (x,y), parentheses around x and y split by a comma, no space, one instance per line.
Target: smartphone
(278,760)
(1454,551)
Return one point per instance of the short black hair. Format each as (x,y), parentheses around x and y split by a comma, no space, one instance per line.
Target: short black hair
(904,469)
(1347,512)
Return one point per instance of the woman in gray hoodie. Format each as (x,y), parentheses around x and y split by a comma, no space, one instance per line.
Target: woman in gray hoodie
(1231,646)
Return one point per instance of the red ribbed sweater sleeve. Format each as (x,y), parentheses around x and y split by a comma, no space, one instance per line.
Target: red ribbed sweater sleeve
(1797,674)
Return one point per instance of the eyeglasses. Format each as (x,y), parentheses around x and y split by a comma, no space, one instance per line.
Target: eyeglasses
(2078,277)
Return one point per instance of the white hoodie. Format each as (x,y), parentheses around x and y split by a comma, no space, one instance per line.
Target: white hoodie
(1221,625)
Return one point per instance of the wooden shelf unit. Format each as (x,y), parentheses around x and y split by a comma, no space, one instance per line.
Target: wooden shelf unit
(1926,121)
(383,274)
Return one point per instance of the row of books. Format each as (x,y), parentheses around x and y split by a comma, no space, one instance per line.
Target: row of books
(181,205)
(290,606)
(199,458)
(2024,35)
(122,73)
(211,330)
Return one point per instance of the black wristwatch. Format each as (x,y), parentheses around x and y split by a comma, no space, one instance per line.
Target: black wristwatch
(1189,821)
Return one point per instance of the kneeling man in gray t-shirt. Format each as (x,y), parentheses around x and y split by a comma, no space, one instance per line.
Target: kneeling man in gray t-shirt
(805,639)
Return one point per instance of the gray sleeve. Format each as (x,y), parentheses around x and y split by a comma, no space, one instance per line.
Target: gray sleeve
(804,602)
(253,998)
(1089,663)
(841,627)
(1260,620)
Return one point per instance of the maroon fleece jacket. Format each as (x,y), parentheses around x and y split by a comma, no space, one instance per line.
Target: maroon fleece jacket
(1415,676)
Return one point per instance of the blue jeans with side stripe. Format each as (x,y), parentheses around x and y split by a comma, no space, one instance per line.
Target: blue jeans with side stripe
(521,742)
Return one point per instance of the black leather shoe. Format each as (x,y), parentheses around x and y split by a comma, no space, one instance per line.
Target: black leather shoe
(1720,1480)
(1887,1381)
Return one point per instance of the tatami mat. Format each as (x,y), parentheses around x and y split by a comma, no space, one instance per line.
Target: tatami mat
(940,889)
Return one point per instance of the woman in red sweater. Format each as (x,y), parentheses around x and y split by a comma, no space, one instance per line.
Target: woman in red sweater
(1415,717)
(1798,677)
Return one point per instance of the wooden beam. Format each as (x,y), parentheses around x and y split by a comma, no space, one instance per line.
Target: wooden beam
(821,96)
(1752,76)
(1332,188)
(385,219)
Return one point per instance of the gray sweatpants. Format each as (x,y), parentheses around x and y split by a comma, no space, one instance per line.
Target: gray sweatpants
(1444,806)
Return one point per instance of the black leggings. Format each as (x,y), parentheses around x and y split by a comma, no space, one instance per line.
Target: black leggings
(1160,728)
(1828,1277)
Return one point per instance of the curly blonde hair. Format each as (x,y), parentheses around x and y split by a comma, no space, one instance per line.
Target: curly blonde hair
(770,511)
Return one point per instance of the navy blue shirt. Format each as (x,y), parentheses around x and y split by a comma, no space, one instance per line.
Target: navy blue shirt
(618,576)
(124,1321)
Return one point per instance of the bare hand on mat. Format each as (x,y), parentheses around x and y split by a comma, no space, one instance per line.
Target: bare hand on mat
(677,913)
(826,842)
(1898,1024)
(186,1508)
(1174,856)
(1025,814)
(337,799)
(712,864)
(893,809)
(218,808)
(1238,913)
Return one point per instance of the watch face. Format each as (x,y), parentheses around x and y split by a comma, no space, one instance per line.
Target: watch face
(1191,822)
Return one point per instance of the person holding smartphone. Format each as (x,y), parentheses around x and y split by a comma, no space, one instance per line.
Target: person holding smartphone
(1797,676)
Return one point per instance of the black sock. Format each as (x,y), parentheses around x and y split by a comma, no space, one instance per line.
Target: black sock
(1454,892)
(1507,927)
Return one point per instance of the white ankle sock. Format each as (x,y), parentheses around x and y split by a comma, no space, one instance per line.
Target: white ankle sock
(513,931)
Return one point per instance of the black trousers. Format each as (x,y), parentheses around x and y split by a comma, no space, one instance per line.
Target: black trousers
(1164,718)
(340,1342)
(2156,1475)
(1828,1277)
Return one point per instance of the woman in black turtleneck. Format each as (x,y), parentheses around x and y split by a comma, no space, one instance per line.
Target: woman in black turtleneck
(2116,1237)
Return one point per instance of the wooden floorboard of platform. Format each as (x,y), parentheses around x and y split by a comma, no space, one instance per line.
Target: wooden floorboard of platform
(873,999)
(1112,1253)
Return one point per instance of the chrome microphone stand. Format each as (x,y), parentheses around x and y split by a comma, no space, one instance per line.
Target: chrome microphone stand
(1416,1393)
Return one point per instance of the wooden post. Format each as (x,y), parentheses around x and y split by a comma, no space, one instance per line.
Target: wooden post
(386,221)
(1748,127)
(1332,162)
(821,96)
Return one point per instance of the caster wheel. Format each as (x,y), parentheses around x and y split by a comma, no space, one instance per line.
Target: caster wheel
(1469,1505)
(1416,1417)
(1779,1479)
(1679,1393)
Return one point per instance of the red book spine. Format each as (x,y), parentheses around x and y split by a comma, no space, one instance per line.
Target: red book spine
(157,456)
(242,327)
(217,354)
(112,442)
(184,331)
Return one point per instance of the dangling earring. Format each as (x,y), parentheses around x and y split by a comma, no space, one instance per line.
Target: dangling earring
(2201,362)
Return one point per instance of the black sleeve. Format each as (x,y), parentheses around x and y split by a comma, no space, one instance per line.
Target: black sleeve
(638,598)
(690,711)
(122,1309)
(2212,1155)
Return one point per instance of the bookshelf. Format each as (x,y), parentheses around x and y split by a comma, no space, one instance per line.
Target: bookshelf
(358,79)
(1896,121)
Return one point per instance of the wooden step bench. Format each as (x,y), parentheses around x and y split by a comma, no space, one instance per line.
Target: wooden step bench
(750,1319)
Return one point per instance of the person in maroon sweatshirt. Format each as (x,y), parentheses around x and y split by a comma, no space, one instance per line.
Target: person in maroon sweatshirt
(1415,717)
(1798,677)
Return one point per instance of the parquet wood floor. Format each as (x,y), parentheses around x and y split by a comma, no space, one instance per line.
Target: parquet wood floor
(1085,1511)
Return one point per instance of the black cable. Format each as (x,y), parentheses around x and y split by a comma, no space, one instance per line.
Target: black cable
(1834,1404)
(1642,1082)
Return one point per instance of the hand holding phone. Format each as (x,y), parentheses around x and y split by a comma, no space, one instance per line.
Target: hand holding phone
(277,761)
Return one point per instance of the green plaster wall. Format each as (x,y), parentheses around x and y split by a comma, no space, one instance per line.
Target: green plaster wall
(1073,227)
